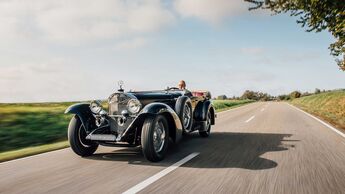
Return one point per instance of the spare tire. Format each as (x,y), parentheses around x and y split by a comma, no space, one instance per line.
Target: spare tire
(183,108)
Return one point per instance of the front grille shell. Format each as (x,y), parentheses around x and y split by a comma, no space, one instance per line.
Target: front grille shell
(117,103)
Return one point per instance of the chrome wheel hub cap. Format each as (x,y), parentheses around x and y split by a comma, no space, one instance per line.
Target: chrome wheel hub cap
(186,116)
(158,136)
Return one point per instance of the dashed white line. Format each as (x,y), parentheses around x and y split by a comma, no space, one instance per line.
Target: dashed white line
(159,175)
(251,118)
(262,110)
(322,122)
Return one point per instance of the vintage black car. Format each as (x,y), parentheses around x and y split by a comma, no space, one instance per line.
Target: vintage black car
(148,118)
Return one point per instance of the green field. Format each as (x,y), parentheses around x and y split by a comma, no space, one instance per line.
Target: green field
(23,125)
(31,128)
(329,106)
(221,105)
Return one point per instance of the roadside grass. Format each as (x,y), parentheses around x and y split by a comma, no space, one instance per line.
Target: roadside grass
(29,151)
(31,128)
(223,105)
(329,106)
(24,125)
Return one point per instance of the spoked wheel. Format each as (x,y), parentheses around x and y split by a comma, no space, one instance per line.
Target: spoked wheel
(154,138)
(187,116)
(183,109)
(207,130)
(77,138)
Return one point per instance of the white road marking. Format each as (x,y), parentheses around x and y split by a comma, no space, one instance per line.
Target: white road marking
(262,110)
(322,122)
(251,118)
(159,175)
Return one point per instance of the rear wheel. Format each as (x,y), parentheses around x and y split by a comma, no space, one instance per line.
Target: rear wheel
(155,138)
(206,132)
(184,111)
(76,138)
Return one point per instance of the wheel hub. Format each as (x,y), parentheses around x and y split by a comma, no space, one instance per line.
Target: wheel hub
(186,116)
(159,137)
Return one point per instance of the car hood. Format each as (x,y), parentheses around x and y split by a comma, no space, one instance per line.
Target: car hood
(156,95)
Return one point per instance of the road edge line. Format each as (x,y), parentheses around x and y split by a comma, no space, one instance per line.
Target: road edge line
(140,186)
(321,121)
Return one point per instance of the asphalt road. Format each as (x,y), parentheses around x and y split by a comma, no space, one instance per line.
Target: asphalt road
(258,148)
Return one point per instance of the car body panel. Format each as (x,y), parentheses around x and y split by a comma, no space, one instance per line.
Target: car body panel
(127,127)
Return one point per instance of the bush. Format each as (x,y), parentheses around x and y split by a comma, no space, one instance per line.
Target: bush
(222,97)
(295,94)
(317,91)
(284,97)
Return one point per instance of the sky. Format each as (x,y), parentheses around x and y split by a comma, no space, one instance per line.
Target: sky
(75,50)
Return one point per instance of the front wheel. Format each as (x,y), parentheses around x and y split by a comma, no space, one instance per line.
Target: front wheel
(155,138)
(77,138)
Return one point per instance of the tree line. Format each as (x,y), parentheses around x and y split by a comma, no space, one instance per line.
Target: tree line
(261,96)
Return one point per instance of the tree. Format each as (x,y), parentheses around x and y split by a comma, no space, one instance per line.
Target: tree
(249,95)
(284,97)
(317,91)
(295,94)
(222,97)
(316,15)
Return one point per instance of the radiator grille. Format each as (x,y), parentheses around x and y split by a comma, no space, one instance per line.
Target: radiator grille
(117,103)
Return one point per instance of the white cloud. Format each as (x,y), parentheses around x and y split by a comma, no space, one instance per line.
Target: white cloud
(213,11)
(132,44)
(80,21)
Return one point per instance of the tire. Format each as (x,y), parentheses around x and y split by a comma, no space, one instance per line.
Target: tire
(206,132)
(76,138)
(154,127)
(183,109)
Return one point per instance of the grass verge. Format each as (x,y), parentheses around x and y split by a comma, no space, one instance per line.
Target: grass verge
(10,155)
(30,129)
(223,105)
(329,106)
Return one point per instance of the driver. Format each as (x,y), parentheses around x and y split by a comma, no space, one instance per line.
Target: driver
(182,86)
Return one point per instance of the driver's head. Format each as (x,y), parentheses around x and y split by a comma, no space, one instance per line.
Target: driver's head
(182,85)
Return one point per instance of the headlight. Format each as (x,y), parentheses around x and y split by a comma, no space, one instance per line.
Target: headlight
(134,106)
(95,107)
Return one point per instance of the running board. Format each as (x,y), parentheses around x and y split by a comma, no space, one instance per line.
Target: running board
(101,137)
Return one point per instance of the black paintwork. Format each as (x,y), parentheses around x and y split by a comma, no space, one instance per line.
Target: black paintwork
(153,103)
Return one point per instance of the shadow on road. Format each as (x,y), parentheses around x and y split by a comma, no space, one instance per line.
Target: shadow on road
(220,150)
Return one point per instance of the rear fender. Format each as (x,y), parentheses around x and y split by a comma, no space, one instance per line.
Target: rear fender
(201,109)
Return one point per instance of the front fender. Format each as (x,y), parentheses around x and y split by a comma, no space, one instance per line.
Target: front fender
(82,110)
(161,108)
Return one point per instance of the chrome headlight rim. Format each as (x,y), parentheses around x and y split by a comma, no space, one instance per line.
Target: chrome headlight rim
(96,106)
(133,106)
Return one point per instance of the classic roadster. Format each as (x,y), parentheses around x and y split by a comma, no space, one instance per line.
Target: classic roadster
(148,118)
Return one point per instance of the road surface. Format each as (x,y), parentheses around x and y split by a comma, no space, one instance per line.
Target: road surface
(258,148)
